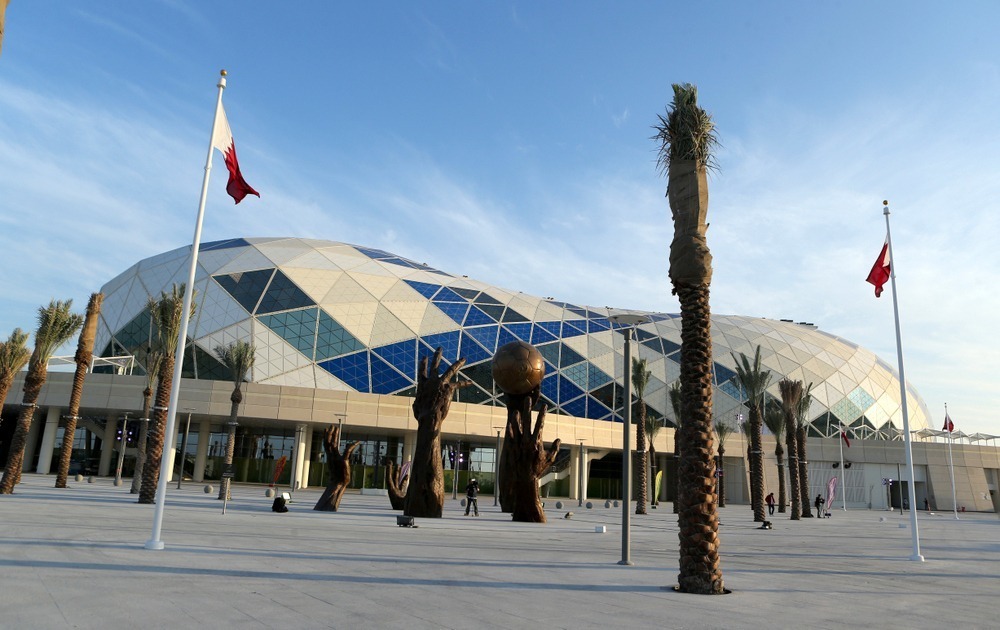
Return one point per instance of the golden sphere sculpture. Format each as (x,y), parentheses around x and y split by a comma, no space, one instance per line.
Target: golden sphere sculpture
(518,368)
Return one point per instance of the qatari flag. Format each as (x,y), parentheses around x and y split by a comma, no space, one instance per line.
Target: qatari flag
(949,426)
(222,139)
(879,274)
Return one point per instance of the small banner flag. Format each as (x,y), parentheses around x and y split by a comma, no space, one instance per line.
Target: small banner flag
(949,426)
(879,274)
(222,139)
(843,434)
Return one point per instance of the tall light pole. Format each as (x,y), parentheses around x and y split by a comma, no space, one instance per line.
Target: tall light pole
(629,322)
(496,470)
(455,466)
(580,470)
(121,450)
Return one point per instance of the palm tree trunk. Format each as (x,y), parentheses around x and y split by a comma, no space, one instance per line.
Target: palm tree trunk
(143,436)
(719,479)
(800,436)
(226,483)
(655,497)
(157,437)
(640,447)
(756,465)
(779,454)
(698,520)
(793,471)
(15,457)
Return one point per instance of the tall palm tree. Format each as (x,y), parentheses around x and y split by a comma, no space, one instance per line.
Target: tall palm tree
(774,420)
(152,361)
(675,405)
(14,354)
(640,379)
(686,135)
(84,355)
(755,380)
(722,431)
(56,325)
(791,396)
(802,423)
(653,426)
(238,357)
(167,315)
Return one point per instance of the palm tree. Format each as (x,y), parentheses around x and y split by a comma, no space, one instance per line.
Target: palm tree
(167,314)
(238,357)
(791,396)
(802,422)
(675,405)
(84,355)
(755,381)
(152,361)
(640,379)
(56,325)
(722,431)
(653,426)
(686,135)
(774,420)
(14,355)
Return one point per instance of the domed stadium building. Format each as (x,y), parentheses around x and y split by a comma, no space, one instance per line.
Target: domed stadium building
(339,331)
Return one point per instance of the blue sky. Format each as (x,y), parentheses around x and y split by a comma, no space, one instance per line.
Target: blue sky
(511,142)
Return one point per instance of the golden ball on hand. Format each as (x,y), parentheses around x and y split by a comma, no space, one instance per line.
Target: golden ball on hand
(518,368)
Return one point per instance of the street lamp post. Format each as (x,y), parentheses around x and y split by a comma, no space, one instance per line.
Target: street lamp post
(496,471)
(454,470)
(630,322)
(580,470)
(121,450)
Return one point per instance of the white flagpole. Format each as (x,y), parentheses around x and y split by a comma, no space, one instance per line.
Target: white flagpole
(154,542)
(915,534)
(843,494)
(951,464)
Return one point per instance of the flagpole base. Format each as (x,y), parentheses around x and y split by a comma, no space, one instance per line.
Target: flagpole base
(154,545)
(917,557)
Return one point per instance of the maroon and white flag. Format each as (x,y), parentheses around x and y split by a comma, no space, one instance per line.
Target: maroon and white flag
(949,426)
(879,274)
(222,139)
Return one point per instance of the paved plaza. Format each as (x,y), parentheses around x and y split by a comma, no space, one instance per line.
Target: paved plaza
(75,558)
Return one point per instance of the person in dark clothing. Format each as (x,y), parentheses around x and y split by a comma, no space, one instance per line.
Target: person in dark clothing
(769,499)
(471,497)
(819,505)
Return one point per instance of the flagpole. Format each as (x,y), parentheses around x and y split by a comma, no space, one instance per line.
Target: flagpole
(915,534)
(154,543)
(843,493)
(951,463)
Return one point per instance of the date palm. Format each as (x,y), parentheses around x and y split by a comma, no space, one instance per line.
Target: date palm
(675,406)
(14,354)
(774,420)
(640,379)
(653,426)
(84,355)
(152,361)
(801,425)
(238,357)
(686,136)
(791,396)
(754,380)
(56,326)
(167,314)
(722,431)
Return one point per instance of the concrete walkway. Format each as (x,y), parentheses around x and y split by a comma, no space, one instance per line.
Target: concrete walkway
(74,558)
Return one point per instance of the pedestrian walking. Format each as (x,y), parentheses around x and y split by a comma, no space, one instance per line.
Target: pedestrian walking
(770,503)
(471,497)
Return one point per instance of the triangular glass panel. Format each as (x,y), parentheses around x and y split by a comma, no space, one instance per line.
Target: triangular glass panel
(352,369)
(283,295)
(247,287)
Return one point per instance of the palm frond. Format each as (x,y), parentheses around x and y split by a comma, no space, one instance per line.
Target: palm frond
(675,402)
(686,131)
(238,357)
(14,353)
(56,325)
(802,410)
(753,378)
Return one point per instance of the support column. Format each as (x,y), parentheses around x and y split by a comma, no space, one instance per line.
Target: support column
(201,454)
(48,441)
(108,444)
(306,461)
(298,456)
(575,466)
(410,444)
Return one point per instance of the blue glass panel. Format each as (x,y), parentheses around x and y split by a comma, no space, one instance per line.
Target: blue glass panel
(454,310)
(550,386)
(472,352)
(447,295)
(601,316)
(447,341)
(485,335)
(733,390)
(352,369)
(402,262)
(469,294)
(226,244)
(573,329)
(569,356)
(596,377)
(510,315)
(283,295)
(576,310)
(576,407)
(486,298)
(135,334)
(423,288)
(385,379)
(643,335)
(494,311)
(296,327)
(377,254)
(596,325)
(247,287)
(333,339)
(567,390)
(596,410)
(669,347)
(519,331)
(401,355)
(654,344)
(577,374)
(543,332)
(505,337)
(550,352)
(477,318)
(722,373)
